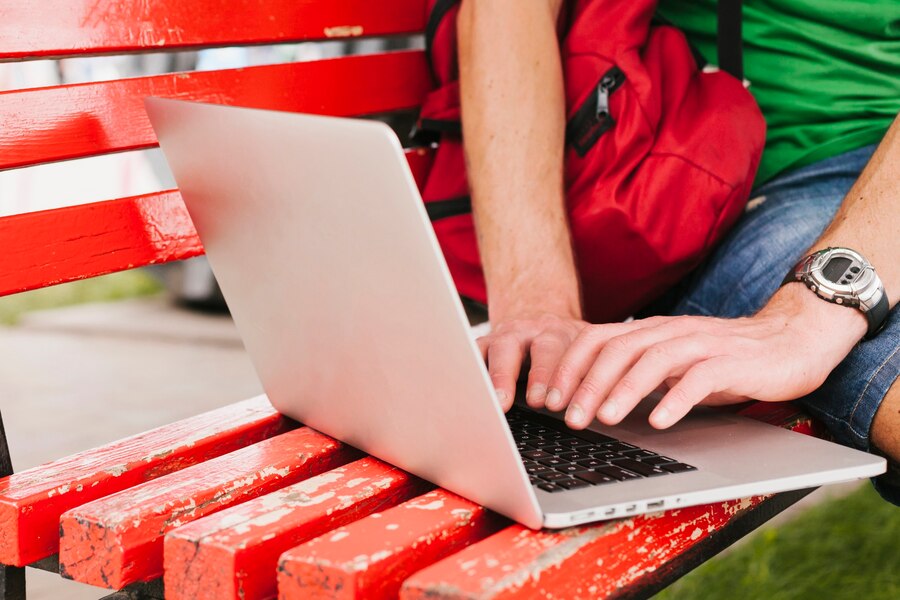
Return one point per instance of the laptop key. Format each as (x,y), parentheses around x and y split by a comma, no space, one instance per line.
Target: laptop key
(616,446)
(657,461)
(536,454)
(590,463)
(617,473)
(535,480)
(553,462)
(592,436)
(604,455)
(572,484)
(569,468)
(677,467)
(638,453)
(549,487)
(570,441)
(539,470)
(638,467)
(554,476)
(573,456)
(593,477)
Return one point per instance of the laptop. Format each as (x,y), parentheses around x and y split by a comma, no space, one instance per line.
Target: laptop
(317,234)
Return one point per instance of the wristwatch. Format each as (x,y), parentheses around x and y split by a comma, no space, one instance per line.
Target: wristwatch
(842,276)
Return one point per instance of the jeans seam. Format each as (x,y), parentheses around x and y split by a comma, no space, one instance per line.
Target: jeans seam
(862,395)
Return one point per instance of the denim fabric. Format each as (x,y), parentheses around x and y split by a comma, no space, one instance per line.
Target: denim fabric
(783,219)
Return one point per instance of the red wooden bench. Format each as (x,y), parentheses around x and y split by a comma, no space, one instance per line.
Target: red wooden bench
(241,502)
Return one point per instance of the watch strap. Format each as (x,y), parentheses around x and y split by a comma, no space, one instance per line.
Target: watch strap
(877,316)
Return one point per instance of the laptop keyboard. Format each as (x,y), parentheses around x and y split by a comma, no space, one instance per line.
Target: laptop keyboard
(558,458)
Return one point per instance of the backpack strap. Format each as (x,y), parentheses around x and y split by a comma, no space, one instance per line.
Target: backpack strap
(729,38)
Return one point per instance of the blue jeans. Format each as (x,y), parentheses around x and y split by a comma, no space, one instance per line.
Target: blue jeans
(782,220)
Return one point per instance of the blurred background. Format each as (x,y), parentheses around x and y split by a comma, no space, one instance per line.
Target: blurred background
(85,363)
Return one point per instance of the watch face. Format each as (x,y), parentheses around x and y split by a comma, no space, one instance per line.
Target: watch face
(841,270)
(842,276)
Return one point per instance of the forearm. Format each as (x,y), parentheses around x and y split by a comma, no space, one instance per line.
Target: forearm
(868,222)
(513,115)
(869,218)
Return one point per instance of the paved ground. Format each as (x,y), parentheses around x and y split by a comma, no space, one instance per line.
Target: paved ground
(75,378)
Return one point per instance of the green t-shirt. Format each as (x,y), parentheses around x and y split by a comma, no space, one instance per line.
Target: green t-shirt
(826,73)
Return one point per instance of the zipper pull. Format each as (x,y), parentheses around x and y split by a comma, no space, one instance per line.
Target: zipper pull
(602,110)
(607,84)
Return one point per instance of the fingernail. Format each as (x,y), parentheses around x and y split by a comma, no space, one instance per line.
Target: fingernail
(574,415)
(501,397)
(661,417)
(554,399)
(609,410)
(535,393)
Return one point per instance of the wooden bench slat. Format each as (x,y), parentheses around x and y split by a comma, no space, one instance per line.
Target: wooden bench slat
(234,553)
(32,501)
(369,559)
(74,121)
(118,540)
(65,244)
(56,246)
(641,553)
(52,28)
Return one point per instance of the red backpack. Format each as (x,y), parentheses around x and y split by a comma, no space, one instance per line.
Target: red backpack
(660,155)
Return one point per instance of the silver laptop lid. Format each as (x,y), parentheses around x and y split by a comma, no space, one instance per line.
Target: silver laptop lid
(317,235)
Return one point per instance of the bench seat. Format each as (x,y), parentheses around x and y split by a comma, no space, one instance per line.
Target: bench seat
(314,518)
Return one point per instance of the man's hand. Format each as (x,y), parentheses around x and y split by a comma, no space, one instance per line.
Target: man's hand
(784,352)
(544,339)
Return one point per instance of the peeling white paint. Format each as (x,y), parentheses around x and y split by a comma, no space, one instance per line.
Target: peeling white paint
(380,555)
(117,470)
(339,536)
(262,520)
(436,505)
(270,471)
(469,565)
(343,31)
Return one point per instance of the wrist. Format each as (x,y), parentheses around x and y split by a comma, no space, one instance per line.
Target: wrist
(829,328)
(499,313)
(528,299)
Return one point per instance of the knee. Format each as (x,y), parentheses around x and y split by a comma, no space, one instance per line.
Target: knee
(885,434)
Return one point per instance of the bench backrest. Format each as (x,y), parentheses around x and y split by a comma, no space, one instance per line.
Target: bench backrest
(65,122)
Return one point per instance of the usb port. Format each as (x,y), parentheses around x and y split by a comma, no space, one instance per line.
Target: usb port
(653,505)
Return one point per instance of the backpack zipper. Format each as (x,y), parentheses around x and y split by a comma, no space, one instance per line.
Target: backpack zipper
(592,119)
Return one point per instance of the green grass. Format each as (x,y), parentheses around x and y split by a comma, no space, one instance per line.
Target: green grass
(847,548)
(118,286)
